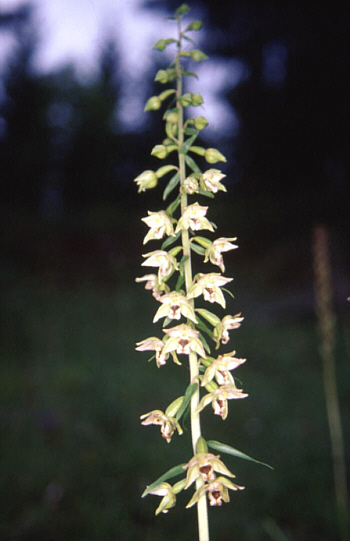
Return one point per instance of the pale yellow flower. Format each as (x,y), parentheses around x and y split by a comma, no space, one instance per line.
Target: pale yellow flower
(220,369)
(173,306)
(220,332)
(183,339)
(219,398)
(214,252)
(159,224)
(209,285)
(194,217)
(162,259)
(191,185)
(204,465)
(154,344)
(168,425)
(168,497)
(211,180)
(217,491)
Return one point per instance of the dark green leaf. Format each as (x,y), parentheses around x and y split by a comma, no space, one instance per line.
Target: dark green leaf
(182,263)
(224,448)
(192,164)
(198,249)
(195,25)
(202,326)
(188,143)
(173,206)
(173,472)
(191,389)
(179,282)
(170,240)
(189,73)
(173,182)
(228,292)
(209,316)
(182,10)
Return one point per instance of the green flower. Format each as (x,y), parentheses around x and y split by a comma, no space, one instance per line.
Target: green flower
(146,180)
(169,498)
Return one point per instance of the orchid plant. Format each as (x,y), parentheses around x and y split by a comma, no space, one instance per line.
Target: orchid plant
(189,332)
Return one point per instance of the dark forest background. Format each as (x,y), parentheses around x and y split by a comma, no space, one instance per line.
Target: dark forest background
(74,459)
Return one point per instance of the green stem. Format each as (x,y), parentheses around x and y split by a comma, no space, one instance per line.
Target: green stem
(202,508)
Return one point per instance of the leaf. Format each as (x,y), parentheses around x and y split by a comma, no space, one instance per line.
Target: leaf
(204,328)
(164,170)
(192,164)
(224,448)
(173,472)
(179,282)
(175,251)
(173,206)
(182,263)
(195,25)
(173,182)
(209,316)
(198,249)
(182,10)
(191,389)
(188,143)
(189,73)
(170,240)
(203,241)
(205,343)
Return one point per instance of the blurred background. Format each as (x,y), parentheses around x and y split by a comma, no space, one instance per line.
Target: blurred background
(74,77)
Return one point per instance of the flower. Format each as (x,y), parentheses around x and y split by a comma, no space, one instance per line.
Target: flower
(211,180)
(183,339)
(160,258)
(153,284)
(194,217)
(203,465)
(220,368)
(146,180)
(217,491)
(191,185)
(173,306)
(168,425)
(169,498)
(220,331)
(154,344)
(209,285)
(214,251)
(159,224)
(219,398)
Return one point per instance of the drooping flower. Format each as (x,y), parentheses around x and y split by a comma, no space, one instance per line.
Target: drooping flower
(168,425)
(173,306)
(220,369)
(209,285)
(162,259)
(168,497)
(194,217)
(219,398)
(214,252)
(154,344)
(146,180)
(217,491)
(183,339)
(211,180)
(204,465)
(159,224)
(220,331)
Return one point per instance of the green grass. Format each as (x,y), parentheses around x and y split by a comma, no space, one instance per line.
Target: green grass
(74,458)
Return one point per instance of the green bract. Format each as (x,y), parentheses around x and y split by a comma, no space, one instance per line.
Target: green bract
(189,335)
